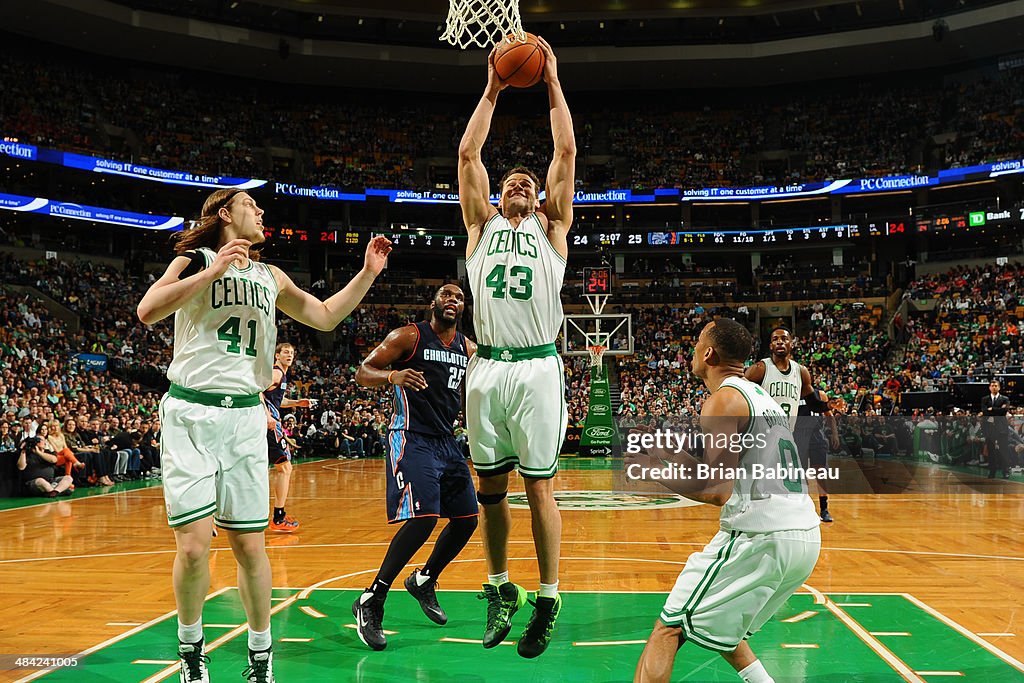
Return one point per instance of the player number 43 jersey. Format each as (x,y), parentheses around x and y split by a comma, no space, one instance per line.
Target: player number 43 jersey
(516,277)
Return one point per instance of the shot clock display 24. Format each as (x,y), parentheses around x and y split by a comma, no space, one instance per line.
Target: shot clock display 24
(597,280)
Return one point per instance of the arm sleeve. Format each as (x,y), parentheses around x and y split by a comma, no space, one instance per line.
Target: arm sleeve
(815,401)
(196,263)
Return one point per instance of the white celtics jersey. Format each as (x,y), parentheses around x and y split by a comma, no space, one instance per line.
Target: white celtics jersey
(784,387)
(769,491)
(516,277)
(224,338)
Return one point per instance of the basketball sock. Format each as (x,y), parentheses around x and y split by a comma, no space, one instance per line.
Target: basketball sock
(497,579)
(410,538)
(377,589)
(755,673)
(823,502)
(260,640)
(278,514)
(422,577)
(450,542)
(548,590)
(190,633)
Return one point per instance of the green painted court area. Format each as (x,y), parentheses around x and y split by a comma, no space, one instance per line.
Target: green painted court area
(588,645)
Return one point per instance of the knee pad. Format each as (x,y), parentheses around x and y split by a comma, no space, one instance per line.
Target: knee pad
(491,498)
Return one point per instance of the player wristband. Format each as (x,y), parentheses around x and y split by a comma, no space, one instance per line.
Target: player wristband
(390,375)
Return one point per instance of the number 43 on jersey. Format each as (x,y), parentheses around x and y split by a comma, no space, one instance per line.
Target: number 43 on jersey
(518,284)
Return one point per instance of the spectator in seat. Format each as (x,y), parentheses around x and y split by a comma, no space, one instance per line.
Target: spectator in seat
(150,447)
(290,432)
(37,474)
(106,459)
(350,443)
(58,445)
(76,442)
(129,456)
(8,444)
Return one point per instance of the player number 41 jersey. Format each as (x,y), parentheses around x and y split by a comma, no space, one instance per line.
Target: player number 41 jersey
(224,338)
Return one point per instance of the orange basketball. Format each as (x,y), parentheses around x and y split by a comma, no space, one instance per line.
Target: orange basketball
(519,64)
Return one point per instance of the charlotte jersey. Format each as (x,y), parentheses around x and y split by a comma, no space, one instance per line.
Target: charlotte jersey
(784,387)
(764,504)
(224,338)
(516,278)
(276,395)
(432,411)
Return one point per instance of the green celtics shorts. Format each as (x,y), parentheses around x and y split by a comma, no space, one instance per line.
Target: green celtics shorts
(214,459)
(516,413)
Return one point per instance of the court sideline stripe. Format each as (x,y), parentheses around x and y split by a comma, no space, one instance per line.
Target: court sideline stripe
(967,633)
(118,638)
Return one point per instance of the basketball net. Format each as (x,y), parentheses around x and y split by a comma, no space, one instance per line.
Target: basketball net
(482,22)
(596,360)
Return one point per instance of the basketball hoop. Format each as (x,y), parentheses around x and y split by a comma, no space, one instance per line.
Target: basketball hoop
(482,22)
(596,354)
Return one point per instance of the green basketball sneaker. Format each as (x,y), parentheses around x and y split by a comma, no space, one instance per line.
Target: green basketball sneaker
(537,635)
(502,602)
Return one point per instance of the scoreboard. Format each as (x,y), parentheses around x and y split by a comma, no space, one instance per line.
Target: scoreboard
(752,237)
(415,239)
(953,222)
(967,220)
(285,234)
(941,223)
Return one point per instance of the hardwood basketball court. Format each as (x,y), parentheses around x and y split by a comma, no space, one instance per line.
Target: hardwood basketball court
(909,587)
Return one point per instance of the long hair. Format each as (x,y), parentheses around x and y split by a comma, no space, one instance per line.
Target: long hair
(206,232)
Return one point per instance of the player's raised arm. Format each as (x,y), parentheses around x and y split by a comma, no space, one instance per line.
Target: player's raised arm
(398,345)
(326,315)
(474,186)
(561,180)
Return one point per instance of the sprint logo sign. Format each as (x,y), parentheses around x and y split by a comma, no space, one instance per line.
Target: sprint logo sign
(607,500)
